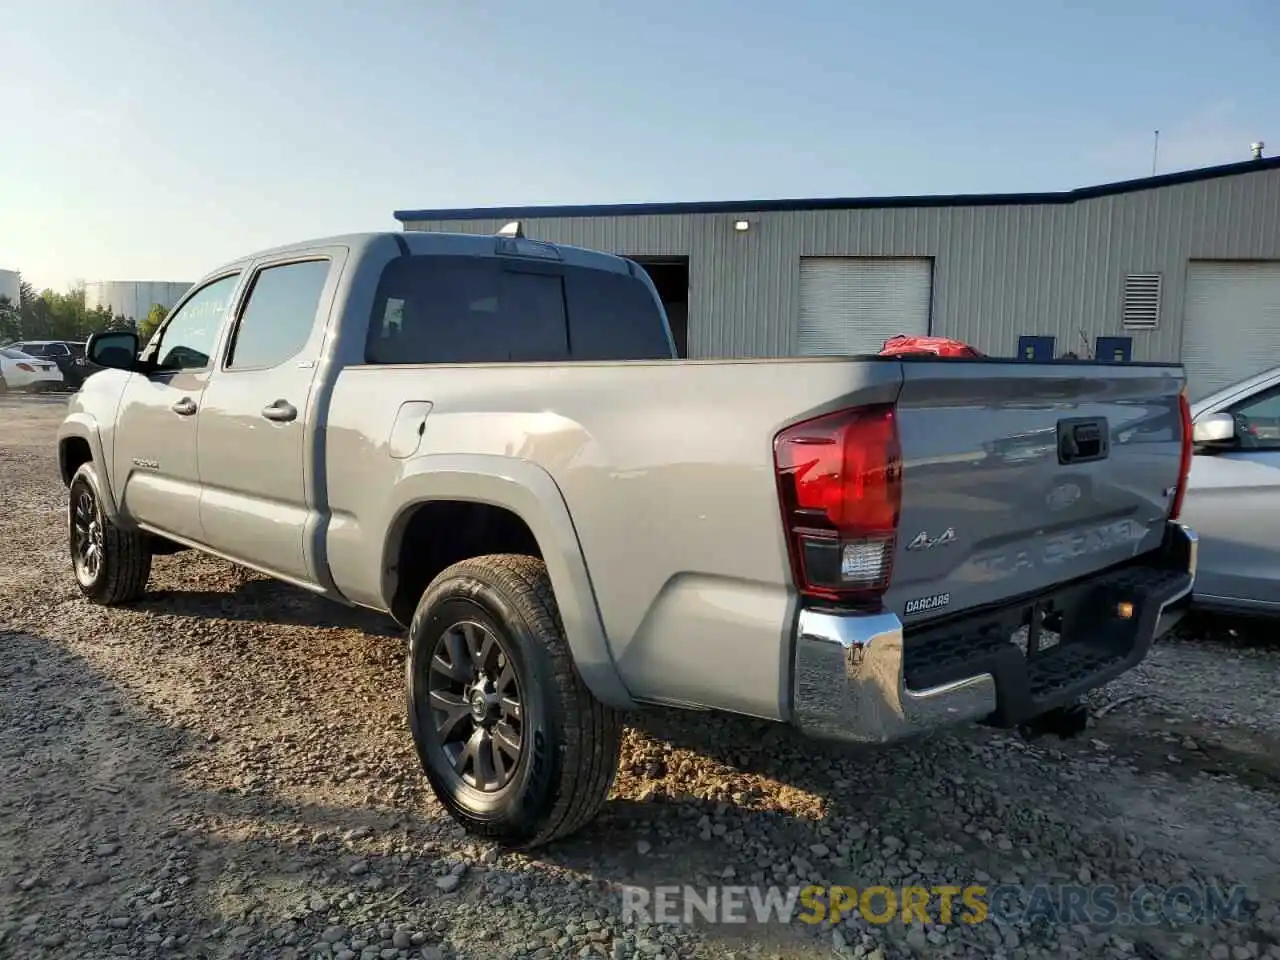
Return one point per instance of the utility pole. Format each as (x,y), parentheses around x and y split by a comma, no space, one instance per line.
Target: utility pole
(1155,152)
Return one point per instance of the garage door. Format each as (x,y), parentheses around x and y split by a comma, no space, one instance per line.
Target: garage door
(853,304)
(1232,327)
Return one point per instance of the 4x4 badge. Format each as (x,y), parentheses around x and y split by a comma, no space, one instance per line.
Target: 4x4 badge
(922,540)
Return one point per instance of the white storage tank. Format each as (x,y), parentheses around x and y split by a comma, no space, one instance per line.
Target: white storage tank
(10,285)
(133,299)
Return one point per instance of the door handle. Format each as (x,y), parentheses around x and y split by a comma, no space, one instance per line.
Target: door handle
(282,411)
(184,407)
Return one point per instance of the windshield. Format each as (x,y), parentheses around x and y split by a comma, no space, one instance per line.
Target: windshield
(13,354)
(1219,397)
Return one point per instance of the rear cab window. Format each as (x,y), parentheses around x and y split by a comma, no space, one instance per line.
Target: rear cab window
(477,309)
(614,316)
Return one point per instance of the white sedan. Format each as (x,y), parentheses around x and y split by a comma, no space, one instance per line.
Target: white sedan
(1233,497)
(21,371)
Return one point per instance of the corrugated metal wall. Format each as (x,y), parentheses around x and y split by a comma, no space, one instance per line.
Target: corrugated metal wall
(1000,271)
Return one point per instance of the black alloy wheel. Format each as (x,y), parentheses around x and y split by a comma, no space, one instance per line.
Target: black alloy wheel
(87,542)
(475,701)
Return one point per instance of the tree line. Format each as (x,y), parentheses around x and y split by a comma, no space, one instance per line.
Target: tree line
(65,316)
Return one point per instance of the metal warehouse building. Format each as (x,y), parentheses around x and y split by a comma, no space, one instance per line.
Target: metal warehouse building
(1178,266)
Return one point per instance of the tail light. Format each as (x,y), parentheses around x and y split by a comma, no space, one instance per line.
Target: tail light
(26,368)
(840,487)
(1184,465)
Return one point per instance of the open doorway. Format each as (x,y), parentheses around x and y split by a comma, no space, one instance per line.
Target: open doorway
(671,276)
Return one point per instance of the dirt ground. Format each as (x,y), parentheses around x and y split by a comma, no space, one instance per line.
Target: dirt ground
(225,770)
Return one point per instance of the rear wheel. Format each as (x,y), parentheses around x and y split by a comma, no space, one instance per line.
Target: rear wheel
(111,564)
(513,744)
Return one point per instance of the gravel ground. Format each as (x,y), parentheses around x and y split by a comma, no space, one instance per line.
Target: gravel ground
(225,770)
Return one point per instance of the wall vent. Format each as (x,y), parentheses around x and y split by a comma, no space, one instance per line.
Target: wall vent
(1140,308)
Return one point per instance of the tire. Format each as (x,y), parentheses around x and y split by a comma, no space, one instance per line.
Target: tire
(123,557)
(4,387)
(499,612)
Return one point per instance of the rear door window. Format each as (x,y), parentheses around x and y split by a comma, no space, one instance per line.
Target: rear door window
(278,316)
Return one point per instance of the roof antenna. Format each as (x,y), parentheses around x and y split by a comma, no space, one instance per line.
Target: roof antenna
(514,230)
(1257,147)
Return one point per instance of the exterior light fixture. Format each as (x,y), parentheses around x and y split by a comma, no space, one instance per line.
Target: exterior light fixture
(742,226)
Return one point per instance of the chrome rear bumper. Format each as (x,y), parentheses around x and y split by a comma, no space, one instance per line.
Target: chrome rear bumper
(849,679)
(849,684)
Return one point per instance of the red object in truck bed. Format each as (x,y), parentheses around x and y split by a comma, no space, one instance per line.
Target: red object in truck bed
(903,345)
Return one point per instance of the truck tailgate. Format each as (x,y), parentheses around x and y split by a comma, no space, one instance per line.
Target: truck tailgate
(1018,477)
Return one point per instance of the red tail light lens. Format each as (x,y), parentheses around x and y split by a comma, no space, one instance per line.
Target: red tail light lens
(1184,466)
(840,487)
(26,368)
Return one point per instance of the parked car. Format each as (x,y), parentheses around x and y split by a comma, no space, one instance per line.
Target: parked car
(21,371)
(492,439)
(1233,497)
(67,354)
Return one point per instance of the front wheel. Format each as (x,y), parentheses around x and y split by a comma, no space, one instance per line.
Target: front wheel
(513,743)
(111,564)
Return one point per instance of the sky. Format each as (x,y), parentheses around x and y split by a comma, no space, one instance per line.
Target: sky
(149,141)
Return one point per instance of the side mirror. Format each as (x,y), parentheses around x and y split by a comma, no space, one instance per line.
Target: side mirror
(115,348)
(1214,428)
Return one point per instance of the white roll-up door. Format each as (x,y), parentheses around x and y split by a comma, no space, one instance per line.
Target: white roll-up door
(852,305)
(1232,325)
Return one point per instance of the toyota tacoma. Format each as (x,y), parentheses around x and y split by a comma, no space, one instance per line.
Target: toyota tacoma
(491,439)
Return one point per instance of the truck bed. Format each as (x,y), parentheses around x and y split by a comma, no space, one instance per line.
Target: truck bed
(665,468)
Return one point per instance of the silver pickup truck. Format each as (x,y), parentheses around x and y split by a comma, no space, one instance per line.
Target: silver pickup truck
(490,439)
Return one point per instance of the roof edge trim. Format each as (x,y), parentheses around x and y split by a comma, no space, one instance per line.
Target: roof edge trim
(843,203)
